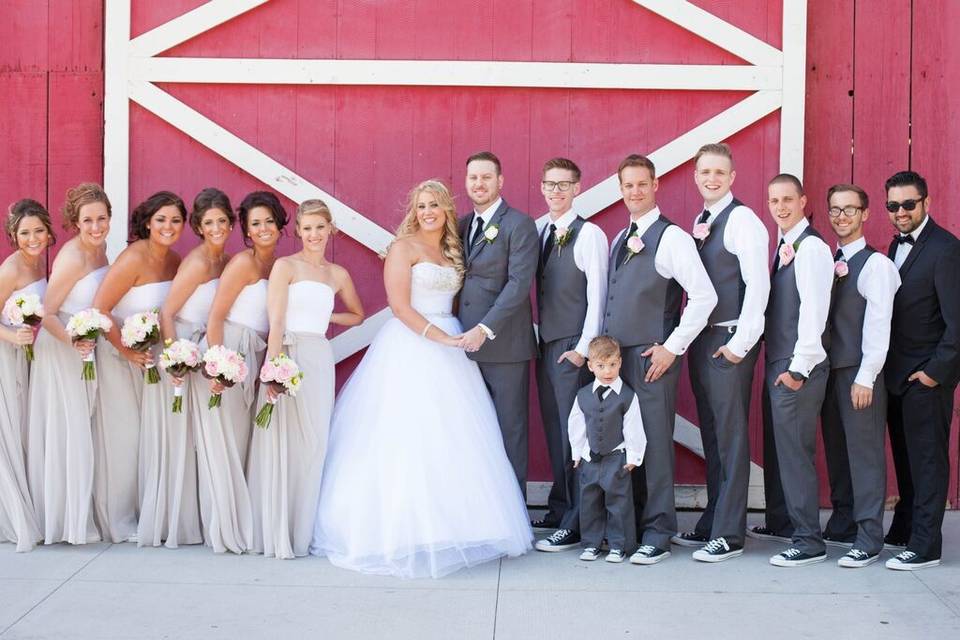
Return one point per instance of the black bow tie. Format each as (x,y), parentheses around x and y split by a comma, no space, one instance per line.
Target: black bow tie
(901,239)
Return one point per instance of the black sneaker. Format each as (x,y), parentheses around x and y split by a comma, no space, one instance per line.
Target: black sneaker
(717,550)
(892,542)
(649,554)
(559,540)
(690,539)
(793,557)
(763,533)
(856,558)
(839,542)
(910,561)
(544,523)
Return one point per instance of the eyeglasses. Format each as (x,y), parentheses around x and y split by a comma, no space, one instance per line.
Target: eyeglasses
(849,211)
(908,205)
(550,185)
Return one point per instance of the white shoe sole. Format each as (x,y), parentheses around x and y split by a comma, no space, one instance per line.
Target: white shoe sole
(637,559)
(614,559)
(777,561)
(703,556)
(550,548)
(892,563)
(847,563)
(590,558)
(688,543)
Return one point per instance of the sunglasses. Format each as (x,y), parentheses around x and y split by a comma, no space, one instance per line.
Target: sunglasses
(908,205)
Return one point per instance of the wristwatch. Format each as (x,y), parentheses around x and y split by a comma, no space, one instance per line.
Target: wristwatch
(798,377)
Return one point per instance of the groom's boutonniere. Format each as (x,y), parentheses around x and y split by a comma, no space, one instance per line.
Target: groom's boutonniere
(562,237)
(787,253)
(634,246)
(491,232)
(701,231)
(840,269)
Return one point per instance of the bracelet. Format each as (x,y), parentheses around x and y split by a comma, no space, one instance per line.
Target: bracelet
(425,329)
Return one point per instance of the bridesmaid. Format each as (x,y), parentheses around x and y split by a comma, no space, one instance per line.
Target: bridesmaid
(30,232)
(238,320)
(286,459)
(60,453)
(169,511)
(137,281)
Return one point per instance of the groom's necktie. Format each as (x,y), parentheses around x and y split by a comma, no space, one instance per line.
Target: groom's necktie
(776,260)
(548,245)
(622,253)
(478,231)
(600,391)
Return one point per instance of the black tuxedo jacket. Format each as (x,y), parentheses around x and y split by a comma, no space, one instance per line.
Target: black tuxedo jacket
(926,311)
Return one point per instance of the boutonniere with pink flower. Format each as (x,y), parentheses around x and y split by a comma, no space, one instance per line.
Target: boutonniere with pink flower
(840,269)
(701,231)
(634,246)
(787,253)
(491,232)
(561,238)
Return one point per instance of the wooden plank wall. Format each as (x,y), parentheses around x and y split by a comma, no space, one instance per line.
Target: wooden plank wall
(881,76)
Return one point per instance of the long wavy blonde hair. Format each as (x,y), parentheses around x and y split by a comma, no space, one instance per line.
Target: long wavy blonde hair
(450,246)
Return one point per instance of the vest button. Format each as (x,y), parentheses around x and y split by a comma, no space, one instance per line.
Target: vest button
(467,304)
(610,298)
(608,313)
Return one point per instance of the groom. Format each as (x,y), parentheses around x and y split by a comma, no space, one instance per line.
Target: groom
(501,252)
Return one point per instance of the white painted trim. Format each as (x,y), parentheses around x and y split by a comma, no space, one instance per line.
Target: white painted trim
(356,338)
(794,86)
(717,31)
(116,122)
(460,73)
(189,25)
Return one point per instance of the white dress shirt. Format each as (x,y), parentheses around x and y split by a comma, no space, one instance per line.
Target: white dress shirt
(678,259)
(878,283)
(634,438)
(903,249)
(813,269)
(590,252)
(747,238)
(483,219)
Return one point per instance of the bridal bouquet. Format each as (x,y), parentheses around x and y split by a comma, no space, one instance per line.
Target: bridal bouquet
(180,358)
(226,366)
(283,374)
(88,325)
(140,332)
(24,309)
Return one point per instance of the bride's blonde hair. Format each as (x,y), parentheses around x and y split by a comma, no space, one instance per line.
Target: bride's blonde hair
(450,245)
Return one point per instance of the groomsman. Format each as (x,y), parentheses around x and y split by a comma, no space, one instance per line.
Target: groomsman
(733,245)
(571,285)
(652,263)
(855,406)
(500,251)
(796,369)
(922,369)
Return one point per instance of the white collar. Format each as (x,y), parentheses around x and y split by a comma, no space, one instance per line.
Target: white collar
(791,236)
(488,214)
(563,221)
(718,206)
(616,385)
(850,250)
(646,220)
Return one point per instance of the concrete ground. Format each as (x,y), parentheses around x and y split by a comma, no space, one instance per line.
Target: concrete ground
(108,591)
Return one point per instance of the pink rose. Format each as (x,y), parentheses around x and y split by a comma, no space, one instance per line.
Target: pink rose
(701,231)
(840,268)
(211,369)
(787,254)
(635,244)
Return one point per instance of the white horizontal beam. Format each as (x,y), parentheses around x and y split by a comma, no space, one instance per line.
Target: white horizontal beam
(716,31)
(189,25)
(459,73)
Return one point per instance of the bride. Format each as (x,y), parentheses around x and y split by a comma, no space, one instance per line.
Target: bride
(417,482)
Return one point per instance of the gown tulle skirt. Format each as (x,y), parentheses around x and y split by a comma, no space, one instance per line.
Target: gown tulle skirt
(18,522)
(222,435)
(169,506)
(60,458)
(417,483)
(287,457)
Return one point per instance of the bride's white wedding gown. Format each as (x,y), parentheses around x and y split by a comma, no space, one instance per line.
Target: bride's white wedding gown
(416,481)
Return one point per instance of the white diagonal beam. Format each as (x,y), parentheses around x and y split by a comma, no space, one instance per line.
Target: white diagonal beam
(189,25)
(356,338)
(716,31)
(459,73)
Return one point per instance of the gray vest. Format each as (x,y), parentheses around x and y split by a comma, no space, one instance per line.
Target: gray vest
(783,309)
(847,309)
(561,290)
(723,268)
(642,306)
(604,419)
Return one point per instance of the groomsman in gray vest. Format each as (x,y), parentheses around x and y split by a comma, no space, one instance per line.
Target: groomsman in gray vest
(571,286)
(733,245)
(854,411)
(500,250)
(652,263)
(796,369)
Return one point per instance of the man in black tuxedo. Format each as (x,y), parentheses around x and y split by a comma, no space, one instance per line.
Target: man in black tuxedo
(922,370)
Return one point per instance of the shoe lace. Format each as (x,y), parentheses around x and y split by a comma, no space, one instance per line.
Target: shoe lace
(591,550)
(791,553)
(857,554)
(616,552)
(717,544)
(906,556)
(558,535)
(646,549)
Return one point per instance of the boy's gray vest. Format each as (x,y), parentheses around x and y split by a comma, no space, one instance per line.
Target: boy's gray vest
(783,309)
(604,418)
(561,290)
(642,307)
(723,268)
(847,309)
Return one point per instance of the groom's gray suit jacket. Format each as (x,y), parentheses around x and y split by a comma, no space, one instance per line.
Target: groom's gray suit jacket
(496,289)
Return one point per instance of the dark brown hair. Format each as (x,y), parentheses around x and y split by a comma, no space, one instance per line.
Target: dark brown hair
(843,187)
(787,178)
(485,155)
(140,218)
(261,199)
(27,208)
(210,198)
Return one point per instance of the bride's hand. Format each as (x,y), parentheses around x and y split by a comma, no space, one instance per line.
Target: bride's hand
(451,341)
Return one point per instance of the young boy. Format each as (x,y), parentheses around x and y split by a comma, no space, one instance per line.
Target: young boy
(607,443)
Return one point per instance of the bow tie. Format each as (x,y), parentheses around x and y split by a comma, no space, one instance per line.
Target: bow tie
(901,239)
